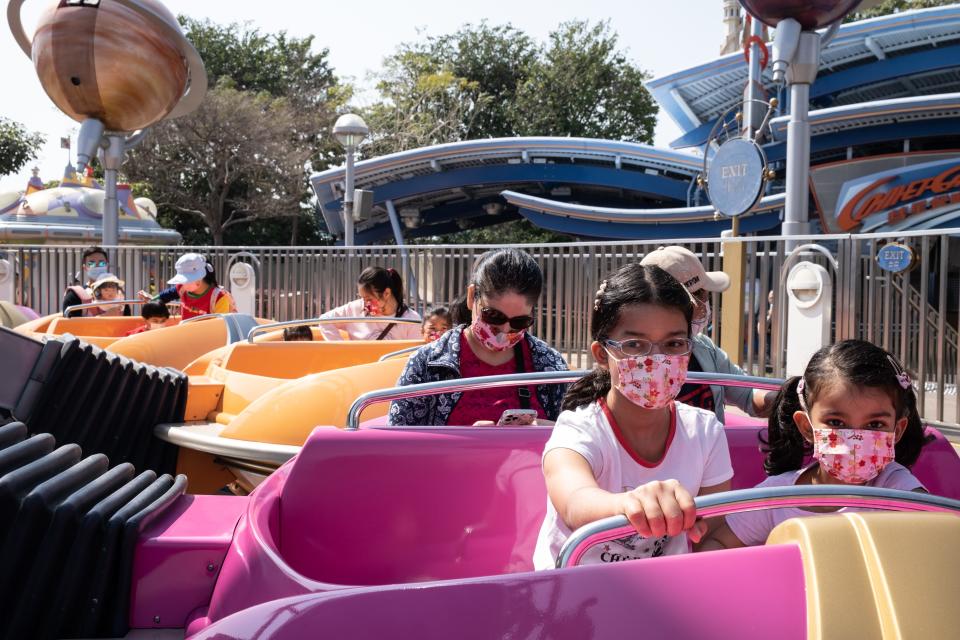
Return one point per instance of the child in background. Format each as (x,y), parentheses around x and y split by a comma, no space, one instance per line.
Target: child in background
(298,334)
(109,287)
(622,445)
(155,316)
(436,323)
(855,410)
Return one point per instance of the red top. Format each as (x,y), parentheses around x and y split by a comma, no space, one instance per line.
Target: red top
(192,306)
(140,329)
(650,464)
(489,404)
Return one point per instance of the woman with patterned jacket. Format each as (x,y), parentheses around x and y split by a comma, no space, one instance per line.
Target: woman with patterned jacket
(505,286)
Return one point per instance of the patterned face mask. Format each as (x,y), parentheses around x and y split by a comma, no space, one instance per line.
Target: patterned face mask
(697,326)
(495,341)
(651,381)
(853,456)
(372,308)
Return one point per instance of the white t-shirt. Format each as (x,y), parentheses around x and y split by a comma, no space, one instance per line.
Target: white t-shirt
(753,527)
(696,456)
(368,330)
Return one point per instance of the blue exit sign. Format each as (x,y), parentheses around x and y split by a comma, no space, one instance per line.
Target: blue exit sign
(896,258)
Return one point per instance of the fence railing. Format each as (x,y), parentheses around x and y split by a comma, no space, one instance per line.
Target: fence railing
(914,315)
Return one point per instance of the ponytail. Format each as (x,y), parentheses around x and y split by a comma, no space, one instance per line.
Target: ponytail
(586,390)
(784,446)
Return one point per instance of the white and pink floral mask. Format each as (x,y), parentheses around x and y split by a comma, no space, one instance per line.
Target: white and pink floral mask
(372,308)
(494,340)
(651,381)
(853,456)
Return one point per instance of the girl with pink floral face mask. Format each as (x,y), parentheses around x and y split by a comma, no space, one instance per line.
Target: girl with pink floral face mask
(623,445)
(850,419)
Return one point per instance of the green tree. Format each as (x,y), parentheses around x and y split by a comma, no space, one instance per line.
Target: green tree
(887,7)
(237,170)
(583,85)
(17,146)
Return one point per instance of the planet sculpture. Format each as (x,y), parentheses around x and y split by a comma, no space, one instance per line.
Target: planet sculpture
(108,62)
(811,14)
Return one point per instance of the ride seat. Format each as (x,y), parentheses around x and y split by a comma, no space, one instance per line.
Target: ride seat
(289,360)
(451,502)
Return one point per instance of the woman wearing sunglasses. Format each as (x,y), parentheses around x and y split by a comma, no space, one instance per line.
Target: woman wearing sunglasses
(504,288)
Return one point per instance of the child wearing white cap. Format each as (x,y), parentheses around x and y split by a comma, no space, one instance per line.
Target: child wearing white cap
(195,286)
(683,265)
(106,288)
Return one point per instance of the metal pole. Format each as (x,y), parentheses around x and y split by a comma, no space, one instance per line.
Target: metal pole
(398,237)
(752,116)
(800,75)
(348,201)
(112,158)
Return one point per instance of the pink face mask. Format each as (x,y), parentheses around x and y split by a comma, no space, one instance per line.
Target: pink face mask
(372,308)
(651,381)
(853,456)
(494,341)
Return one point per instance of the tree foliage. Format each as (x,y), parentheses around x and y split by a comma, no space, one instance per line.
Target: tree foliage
(895,6)
(494,81)
(230,162)
(17,146)
(237,169)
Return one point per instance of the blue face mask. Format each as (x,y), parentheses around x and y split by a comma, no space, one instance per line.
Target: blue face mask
(94,273)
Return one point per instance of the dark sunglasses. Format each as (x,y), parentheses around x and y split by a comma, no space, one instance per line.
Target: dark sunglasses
(497,318)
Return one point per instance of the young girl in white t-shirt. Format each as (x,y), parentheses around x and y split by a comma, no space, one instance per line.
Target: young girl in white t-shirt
(855,411)
(622,445)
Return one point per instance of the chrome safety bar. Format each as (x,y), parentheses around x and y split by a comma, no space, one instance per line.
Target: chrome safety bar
(202,317)
(721,504)
(524,379)
(265,328)
(96,305)
(401,352)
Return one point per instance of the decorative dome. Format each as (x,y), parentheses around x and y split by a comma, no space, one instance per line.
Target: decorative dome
(811,14)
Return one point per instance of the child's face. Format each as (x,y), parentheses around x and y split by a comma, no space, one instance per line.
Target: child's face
(651,322)
(434,327)
(108,292)
(193,287)
(156,323)
(840,405)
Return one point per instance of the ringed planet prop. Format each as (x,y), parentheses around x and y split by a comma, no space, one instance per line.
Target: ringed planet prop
(811,14)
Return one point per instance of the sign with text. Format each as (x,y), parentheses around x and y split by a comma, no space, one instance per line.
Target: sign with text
(896,258)
(735,177)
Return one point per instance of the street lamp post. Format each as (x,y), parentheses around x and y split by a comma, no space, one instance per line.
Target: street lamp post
(350,130)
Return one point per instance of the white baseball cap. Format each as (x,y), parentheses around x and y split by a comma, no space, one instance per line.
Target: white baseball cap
(190,268)
(107,278)
(684,265)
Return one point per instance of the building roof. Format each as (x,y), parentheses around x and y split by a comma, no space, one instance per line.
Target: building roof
(904,54)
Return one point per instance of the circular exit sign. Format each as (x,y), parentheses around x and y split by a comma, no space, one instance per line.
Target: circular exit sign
(735,177)
(896,257)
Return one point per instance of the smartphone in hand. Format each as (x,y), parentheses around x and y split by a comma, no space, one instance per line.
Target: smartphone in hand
(517,418)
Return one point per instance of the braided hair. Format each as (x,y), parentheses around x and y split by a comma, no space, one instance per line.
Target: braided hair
(632,284)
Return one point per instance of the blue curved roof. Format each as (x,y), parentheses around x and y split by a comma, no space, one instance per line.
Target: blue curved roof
(437,188)
(904,54)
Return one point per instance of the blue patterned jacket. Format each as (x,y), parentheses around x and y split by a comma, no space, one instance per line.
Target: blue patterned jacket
(440,360)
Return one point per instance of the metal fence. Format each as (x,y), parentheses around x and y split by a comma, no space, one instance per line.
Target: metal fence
(914,315)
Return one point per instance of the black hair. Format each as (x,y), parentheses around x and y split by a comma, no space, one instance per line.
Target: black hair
(91,250)
(855,362)
(459,311)
(440,312)
(630,285)
(210,275)
(154,309)
(501,271)
(378,280)
(300,333)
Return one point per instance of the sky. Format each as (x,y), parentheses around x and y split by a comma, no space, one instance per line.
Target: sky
(661,36)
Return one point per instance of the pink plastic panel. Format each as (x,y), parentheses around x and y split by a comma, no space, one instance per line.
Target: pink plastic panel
(171,567)
(748,594)
(384,506)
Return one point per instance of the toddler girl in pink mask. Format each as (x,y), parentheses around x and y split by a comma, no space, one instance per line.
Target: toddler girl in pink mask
(623,445)
(850,419)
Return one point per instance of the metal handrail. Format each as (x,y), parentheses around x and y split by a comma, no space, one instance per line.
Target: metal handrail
(721,504)
(264,328)
(394,354)
(202,317)
(96,305)
(524,379)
